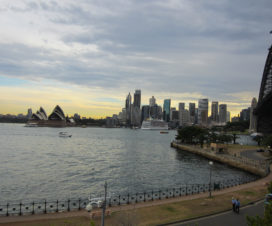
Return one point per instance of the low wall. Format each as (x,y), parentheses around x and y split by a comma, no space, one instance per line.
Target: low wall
(251,166)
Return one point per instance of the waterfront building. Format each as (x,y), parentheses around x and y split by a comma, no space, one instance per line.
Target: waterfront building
(171,110)
(192,111)
(245,114)
(214,113)
(145,112)
(222,114)
(253,118)
(203,108)
(76,116)
(152,101)
(175,115)
(128,109)
(184,117)
(136,109)
(166,110)
(156,112)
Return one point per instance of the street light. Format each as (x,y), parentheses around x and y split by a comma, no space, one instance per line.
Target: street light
(210,163)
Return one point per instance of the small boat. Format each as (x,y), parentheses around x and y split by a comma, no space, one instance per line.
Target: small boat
(64,134)
(164,132)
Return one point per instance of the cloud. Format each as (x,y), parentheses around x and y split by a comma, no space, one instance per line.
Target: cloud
(209,48)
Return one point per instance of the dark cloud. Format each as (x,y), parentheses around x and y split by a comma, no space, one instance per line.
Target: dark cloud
(210,47)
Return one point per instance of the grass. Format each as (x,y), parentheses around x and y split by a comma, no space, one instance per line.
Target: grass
(165,213)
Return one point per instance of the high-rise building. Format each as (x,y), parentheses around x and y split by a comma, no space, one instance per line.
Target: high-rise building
(137,99)
(192,112)
(184,117)
(145,112)
(222,114)
(253,118)
(156,112)
(166,110)
(128,110)
(214,115)
(245,114)
(152,101)
(181,106)
(136,109)
(203,108)
(228,116)
(175,115)
(171,110)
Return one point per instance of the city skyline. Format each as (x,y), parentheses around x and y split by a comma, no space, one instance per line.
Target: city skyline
(86,56)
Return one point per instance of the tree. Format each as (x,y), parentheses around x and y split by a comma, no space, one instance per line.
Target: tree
(258,139)
(192,134)
(234,137)
(267,141)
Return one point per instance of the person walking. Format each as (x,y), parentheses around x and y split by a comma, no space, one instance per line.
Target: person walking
(237,205)
(233,201)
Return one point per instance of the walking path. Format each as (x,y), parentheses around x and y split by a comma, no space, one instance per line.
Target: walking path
(84,213)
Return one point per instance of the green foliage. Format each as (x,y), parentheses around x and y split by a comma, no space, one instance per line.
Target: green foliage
(269,188)
(267,141)
(259,221)
(237,126)
(258,139)
(92,223)
(192,135)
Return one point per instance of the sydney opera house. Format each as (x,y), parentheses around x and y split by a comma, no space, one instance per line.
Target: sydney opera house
(55,119)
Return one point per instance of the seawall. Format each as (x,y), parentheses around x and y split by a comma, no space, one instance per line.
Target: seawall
(259,168)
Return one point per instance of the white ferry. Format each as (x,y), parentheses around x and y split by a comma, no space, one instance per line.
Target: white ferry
(154,124)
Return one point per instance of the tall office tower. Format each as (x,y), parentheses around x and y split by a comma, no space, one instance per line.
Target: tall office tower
(214,115)
(203,108)
(145,112)
(128,110)
(29,113)
(156,112)
(184,117)
(175,116)
(137,98)
(171,111)
(245,114)
(253,118)
(192,112)
(181,106)
(228,116)
(152,101)
(222,114)
(136,112)
(166,110)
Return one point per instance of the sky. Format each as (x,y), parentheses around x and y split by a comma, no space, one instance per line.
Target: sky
(86,56)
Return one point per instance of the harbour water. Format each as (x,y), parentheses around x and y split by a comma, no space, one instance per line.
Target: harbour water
(35,163)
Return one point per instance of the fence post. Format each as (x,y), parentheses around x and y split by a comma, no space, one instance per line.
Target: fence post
(179,191)
(79,204)
(128,198)
(33,207)
(159,194)
(7,214)
(57,210)
(136,198)
(119,200)
(152,195)
(68,208)
(144,196)
(20,211)
(167,193)
(45,206)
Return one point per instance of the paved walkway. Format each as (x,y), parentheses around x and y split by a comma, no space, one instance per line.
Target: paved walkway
(227,218)
(132,206)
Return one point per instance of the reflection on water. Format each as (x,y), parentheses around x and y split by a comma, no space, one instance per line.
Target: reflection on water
(36,163)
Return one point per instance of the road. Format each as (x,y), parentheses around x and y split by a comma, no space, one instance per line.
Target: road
(227,218)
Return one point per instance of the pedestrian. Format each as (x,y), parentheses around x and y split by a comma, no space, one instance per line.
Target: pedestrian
(237,205)
(233,201)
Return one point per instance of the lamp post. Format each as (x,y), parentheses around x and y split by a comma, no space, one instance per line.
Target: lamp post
(210,163)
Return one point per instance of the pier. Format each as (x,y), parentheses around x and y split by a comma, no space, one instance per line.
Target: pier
(256,167)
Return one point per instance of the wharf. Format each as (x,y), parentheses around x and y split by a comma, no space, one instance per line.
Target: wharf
(257,167)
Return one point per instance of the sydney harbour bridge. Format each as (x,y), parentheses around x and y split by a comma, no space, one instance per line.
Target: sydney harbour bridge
(264,107)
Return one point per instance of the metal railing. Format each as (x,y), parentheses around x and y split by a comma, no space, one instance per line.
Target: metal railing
(45,206)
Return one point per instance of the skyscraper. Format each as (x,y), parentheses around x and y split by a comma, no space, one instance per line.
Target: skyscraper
(222,114)
(128,110)
(192,112)
(253,118)
(166,110)
(152,101)
(137,99)
(136,109)
(145,112)
(214,115)
(203,108)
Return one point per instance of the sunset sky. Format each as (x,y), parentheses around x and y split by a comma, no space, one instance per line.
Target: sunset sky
(86,56)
